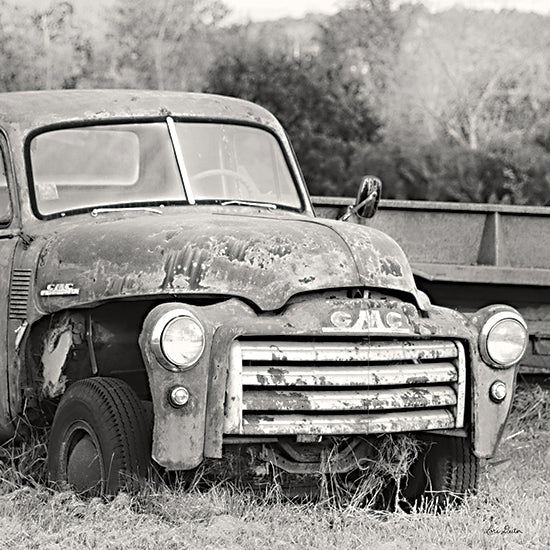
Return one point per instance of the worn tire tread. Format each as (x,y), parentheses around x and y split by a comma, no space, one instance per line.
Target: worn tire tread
(461,471)
(121,428)
(445,471)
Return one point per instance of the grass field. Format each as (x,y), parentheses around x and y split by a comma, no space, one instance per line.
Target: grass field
(512,509)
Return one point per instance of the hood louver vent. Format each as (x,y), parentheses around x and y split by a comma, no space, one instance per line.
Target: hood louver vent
(19,293)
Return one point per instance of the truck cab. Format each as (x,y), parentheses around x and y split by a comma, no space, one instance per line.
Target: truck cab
(171,296)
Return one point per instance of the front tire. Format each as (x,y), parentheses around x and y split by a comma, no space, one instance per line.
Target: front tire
(444,472)
(100,439)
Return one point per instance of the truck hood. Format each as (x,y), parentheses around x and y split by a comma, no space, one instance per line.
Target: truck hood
(258,257)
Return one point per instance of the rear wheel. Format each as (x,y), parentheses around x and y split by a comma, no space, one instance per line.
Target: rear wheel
(100,439)
(444,472)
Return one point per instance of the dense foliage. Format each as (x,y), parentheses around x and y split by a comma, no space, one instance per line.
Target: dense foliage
(446,106)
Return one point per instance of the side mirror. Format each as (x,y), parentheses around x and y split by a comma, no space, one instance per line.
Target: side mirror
(368,197)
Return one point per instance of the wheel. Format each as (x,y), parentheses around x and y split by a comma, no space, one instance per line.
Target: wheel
(245,179)
(100,439)
(444,472)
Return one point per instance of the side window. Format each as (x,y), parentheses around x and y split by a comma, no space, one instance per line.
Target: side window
(5,204)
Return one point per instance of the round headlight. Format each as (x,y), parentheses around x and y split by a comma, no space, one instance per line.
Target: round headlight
(178,340)
(182,341)
(503,339)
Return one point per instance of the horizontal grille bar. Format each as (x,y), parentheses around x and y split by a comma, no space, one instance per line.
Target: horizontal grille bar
(365,400)
(342,351)
(345,375)
(348,424)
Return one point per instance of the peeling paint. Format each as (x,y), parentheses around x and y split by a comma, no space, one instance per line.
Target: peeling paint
(217,250)
(343,400)
(277,375)
(352,424)
(57,344)
(306,391)
(390,267)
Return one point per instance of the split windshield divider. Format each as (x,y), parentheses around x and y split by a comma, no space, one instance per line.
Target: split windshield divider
(179,160)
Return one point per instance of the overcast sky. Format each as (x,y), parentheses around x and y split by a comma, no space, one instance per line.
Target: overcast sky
(273,9)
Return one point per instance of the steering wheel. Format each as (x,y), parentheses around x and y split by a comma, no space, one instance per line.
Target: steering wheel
(249,185)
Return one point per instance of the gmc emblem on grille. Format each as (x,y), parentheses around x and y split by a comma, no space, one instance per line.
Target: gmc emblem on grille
(368,320)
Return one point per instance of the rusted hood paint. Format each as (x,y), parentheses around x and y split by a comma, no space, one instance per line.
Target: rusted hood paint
(260,258)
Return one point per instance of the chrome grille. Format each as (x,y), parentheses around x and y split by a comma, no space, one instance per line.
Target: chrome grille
(297,387)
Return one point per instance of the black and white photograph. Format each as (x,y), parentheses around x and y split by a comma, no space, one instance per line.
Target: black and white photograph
(275,274)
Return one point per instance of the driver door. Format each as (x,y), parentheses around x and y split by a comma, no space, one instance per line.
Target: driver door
(8,241)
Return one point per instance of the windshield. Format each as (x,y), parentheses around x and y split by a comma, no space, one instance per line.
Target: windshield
(158,163)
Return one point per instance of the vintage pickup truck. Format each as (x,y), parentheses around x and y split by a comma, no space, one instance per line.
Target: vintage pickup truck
(171,296)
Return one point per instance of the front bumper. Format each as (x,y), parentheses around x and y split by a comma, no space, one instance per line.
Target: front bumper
(323,367)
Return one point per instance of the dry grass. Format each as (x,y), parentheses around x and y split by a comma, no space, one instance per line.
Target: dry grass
(512,509)
(386,466)
(23,463)
(389,467)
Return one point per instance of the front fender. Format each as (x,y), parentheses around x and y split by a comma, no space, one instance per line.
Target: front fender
(489,418)
(179,433)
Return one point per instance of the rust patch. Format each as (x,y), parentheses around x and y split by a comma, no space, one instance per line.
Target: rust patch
(278,375)
(420,379)
(389,266)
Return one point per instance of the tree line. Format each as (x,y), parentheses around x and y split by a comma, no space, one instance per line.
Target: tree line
(446,106)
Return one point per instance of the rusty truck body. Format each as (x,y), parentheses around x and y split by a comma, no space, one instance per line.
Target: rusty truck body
(170,295)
